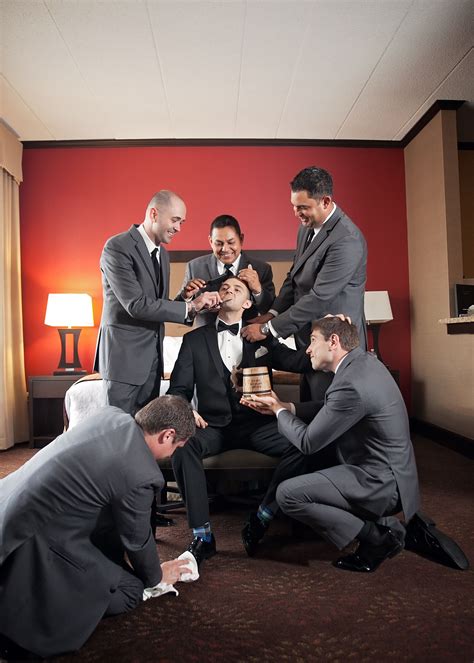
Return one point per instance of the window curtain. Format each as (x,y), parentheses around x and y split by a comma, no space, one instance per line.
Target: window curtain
(13,395)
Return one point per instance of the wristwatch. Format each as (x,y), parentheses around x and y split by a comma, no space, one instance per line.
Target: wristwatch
(265,329)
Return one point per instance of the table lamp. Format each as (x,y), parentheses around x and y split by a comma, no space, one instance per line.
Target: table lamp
(377,310)
(65,311)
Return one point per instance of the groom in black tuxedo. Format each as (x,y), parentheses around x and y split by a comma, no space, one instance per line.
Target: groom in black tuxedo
(204,365)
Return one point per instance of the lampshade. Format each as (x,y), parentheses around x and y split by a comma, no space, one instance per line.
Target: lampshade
(69,310)
(377,307)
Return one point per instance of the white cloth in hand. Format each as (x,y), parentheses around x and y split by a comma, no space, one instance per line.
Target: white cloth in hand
(163,587)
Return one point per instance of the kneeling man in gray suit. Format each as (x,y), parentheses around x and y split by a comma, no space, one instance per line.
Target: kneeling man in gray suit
(364,416)
(69,516)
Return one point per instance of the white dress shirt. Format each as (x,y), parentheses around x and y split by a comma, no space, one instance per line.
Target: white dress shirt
(230,346)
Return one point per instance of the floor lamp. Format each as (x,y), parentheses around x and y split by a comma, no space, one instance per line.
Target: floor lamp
(65,311)
(377,311)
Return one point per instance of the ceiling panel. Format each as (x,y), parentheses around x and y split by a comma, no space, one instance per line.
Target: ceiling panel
(112,44)
(433,38)
(337,59)
(199,45)
(39,66)
(19,116)
(308,69)
(273,34)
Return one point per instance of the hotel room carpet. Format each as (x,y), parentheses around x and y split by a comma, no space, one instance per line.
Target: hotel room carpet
(290,604)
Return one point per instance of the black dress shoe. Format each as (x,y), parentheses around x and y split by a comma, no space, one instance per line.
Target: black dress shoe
(202,549)
(368,557)
(252,533)
(10,651)
(425,539)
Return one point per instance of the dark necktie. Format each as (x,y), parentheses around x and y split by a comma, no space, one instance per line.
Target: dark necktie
(308,240)
(156,264)
(228,270)
(233,329)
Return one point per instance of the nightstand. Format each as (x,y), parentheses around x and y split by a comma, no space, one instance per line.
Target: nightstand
(45,406)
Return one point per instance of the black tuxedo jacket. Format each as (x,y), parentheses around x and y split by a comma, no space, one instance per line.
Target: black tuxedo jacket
(199,370)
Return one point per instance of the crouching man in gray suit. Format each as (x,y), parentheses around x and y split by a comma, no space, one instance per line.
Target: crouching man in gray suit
(69,515)
(365,417)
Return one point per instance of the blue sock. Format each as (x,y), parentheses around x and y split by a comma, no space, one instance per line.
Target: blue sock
(265,515)
(204,532)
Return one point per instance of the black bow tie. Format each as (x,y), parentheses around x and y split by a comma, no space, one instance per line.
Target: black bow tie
(233,329)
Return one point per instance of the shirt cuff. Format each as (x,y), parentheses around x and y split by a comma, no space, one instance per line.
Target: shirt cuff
(292,409)
(274,333)
(273,312)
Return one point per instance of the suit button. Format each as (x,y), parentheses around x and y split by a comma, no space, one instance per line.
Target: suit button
(113,590)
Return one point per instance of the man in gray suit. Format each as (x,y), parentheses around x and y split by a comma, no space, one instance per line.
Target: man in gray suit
(327,276)
(135,282)
(365,418)
(69,515)
(227,259)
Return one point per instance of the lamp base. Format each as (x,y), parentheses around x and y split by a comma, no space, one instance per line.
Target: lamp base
(70,371)
(69,367)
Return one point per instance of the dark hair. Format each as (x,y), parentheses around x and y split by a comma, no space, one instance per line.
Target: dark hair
(225,220)
(162,199)
(167,412)
(347,333)
(316,181)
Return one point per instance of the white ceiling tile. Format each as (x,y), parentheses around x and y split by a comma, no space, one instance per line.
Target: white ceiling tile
(458,85)
(433,38)
(39,66)
(17,114)
(199,45)
(112,44)
(273,32)
(340,49)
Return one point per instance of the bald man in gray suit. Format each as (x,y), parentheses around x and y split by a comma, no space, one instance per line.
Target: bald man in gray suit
(365,418)
(135,281)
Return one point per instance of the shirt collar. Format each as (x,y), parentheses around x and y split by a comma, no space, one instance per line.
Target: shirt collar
(218,319)
(151,246)
(339,364)
(235,266)
(316,230)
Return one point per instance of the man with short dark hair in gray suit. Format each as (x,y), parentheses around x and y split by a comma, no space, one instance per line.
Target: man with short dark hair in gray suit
(70,515)
(365,419)
(327,276)
(228,259)
(135,282)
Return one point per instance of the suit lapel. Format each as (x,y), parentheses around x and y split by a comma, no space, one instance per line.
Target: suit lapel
(144,255)
(211,340)
(317,241)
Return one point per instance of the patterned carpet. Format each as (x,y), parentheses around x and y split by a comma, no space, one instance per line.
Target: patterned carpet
(290,604)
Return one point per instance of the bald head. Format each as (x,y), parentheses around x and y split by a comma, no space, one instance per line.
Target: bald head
(165,214)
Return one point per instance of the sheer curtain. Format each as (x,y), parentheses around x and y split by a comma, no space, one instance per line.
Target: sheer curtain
(13,396)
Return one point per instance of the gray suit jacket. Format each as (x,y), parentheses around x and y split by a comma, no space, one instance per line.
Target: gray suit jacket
(365,416)
(66,518)
(131,329)
(328,277)
(205,267)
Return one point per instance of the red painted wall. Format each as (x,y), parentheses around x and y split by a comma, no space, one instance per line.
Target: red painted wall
(73,199)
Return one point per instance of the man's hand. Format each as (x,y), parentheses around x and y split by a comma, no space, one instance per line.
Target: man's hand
(173,569)
(191,288)
(208,300)
(252,333)
(250,277)
(200,422)
(260,319)
(265,404)
(341,316)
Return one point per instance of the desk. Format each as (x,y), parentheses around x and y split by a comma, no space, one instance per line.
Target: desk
(45,406)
